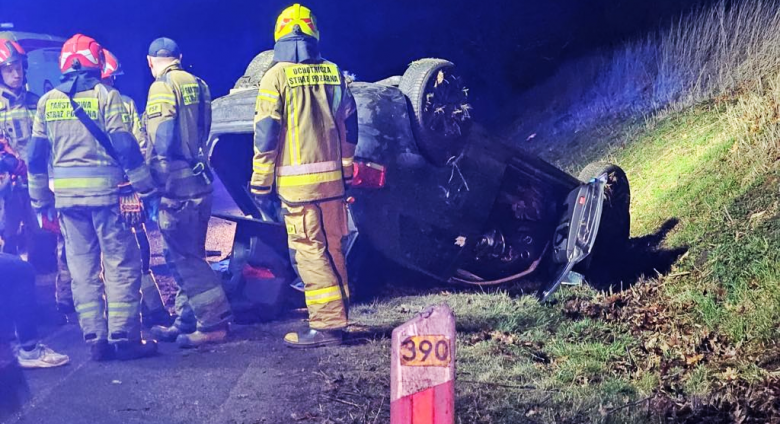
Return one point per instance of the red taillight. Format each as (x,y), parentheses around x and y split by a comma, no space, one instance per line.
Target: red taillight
(250,272)
(368,175)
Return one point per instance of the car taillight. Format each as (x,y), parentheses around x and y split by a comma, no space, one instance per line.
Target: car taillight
(368,175)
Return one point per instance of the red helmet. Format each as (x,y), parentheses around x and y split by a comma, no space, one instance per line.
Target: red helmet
(111,66)
(10,52)
(81,53)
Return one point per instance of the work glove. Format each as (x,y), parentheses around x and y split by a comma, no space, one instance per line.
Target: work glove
(152,206)
(269,206)
(8,163)
(47,218)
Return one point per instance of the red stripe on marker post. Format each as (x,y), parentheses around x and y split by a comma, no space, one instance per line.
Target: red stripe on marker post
(422,389)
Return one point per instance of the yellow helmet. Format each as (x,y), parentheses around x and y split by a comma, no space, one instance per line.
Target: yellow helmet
(296,15)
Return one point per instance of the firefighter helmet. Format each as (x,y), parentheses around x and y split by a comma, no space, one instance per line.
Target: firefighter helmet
(81,53)
(296,15)
(10,52)
(111,65)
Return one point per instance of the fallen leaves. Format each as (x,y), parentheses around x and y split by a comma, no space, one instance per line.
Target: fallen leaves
(736,402)
(509,344)
(672,348)
(694,359)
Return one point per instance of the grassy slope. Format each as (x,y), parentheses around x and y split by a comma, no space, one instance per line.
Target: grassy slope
(708,325)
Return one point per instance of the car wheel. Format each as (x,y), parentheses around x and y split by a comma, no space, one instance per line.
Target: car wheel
(255,71)
(439,105)
(615,226)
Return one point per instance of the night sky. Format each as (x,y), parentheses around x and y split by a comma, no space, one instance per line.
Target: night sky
(500,46)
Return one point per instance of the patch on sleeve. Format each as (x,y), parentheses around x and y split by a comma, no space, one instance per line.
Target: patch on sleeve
(154,110)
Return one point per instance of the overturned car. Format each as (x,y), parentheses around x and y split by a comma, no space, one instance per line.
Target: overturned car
(430,193)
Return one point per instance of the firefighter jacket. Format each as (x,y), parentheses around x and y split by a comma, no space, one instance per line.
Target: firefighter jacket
(16,117)
(134,125)
(305,133)
(178,119)
(83,172)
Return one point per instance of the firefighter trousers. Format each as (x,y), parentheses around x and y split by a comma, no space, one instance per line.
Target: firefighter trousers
(200,300)
(108,308)
(151,301)
(314,232)
(62,284)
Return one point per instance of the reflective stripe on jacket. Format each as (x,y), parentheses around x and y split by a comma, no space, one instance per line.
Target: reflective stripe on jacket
(83,173)
(175,141)
(17,113)
(301,142)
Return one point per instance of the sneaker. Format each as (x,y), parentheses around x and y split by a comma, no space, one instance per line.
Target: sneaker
(314,338)
(41,357)
(200,338)
(167,334)
(128,350)
(101,351)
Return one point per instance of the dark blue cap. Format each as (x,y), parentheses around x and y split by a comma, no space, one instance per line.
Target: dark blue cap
(164,47)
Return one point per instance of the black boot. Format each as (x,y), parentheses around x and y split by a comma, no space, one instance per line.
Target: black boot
(168,334)
(314,338)
(128,350)
(101,351)
(159,317)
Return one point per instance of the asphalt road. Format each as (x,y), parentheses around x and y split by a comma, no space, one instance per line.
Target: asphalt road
(251,379)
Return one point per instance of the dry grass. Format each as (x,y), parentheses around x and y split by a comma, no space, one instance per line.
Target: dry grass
(711,53)
(693,115)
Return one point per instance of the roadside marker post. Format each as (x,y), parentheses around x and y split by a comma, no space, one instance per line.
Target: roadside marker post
(422,386)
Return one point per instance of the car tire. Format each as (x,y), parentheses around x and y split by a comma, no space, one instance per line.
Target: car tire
(255,71)
(441,114)
(615,226)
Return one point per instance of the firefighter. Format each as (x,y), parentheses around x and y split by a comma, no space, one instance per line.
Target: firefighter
(178,115)
(17,112)
(91,151)
(112,68)
(305,137)
(152,306)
